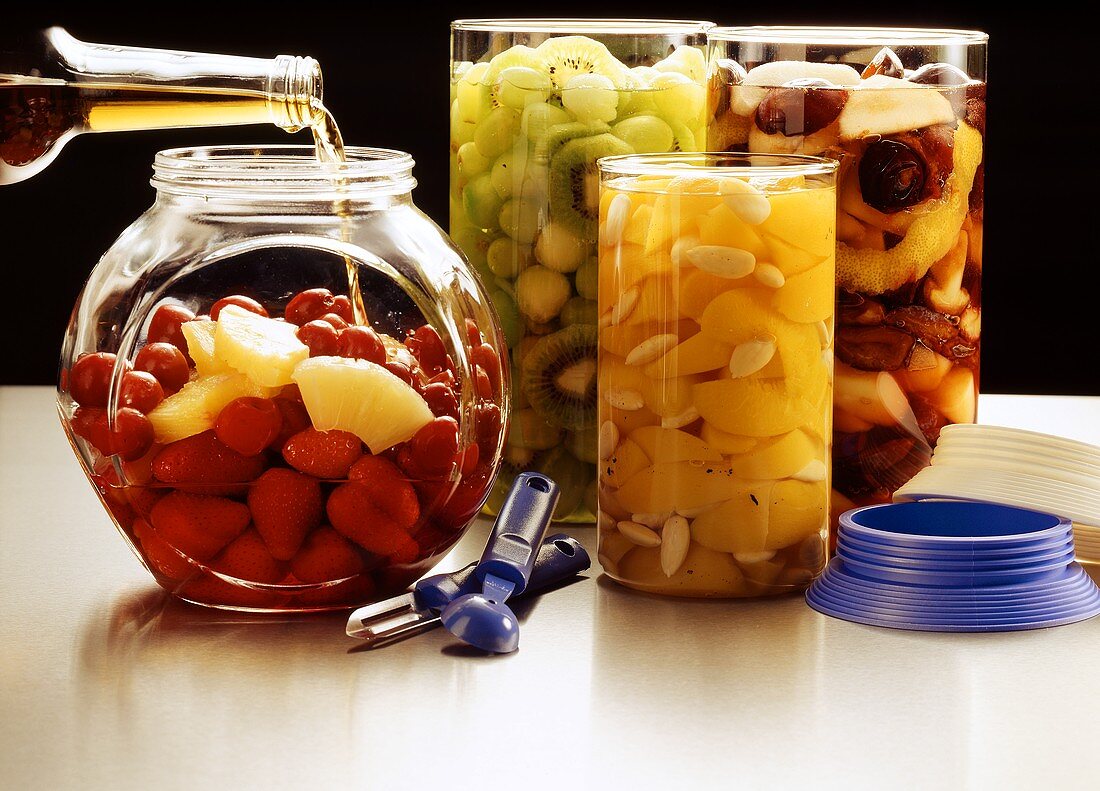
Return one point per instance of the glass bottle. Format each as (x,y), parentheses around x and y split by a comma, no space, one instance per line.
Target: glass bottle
(55,87)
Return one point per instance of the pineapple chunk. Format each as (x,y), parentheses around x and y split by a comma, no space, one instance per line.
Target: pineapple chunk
(195,408)
(363,398)
(263,349)
(200,345)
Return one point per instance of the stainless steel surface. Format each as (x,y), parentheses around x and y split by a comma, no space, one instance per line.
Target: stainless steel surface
(106,683)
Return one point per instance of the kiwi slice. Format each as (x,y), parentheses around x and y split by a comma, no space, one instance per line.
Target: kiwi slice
(560,134)
(571,476)
(575,182)
(683,139)
(567,56)
(559,377)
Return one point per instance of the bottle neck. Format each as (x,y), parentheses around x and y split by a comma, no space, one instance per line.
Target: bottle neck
(285,91)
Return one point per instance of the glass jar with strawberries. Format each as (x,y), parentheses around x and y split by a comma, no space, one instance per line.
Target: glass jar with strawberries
(283,381)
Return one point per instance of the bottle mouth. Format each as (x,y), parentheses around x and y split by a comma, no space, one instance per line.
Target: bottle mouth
(290,171)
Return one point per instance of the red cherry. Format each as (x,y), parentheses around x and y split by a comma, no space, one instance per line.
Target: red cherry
(249,425)
(294,419)
(321,338)
(470,459)
(488,425)
(486,356)
(291,391)
(427,347)
(441,399)
(401,371)
(341,306)
(434,447)
(131,437)
(90,378)
(362,343)
(309,305)
(472,332)
(166,326)
(166,363)
(335,320)
(249,304)
(482,384)
(447,378)
(140,390)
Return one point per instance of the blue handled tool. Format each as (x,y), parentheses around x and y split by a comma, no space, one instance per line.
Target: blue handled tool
(482,618)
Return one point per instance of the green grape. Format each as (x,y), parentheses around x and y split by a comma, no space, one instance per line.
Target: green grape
(579,310)
(508,170)
(510,322)
(677,97)
(506,258)
(495,133)
(590,97)
(587,278)
(474,243)
(688,61)
(560,249)
(482,203)
(519,86)
(646,134)
(461,132)
(519,219)
(470,161)
(473,96)
(538,118)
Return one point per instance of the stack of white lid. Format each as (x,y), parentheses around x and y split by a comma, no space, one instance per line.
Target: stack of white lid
(1019,468)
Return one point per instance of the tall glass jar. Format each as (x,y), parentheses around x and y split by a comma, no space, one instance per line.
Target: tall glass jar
(904,112)
(534,104)
(715,332)
(283,381)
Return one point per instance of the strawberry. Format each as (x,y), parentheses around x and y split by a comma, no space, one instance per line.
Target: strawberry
(198,525)
(142,499)
(354,511)
(326,555)
(247,558)
(159,556)
(285,505)
(323,454)
(204,459)
(391,490)
(293,414)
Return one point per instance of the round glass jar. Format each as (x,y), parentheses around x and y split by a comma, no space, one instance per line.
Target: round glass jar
(534,104)
(283,381)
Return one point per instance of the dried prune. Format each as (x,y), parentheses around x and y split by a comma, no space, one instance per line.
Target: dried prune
(874,348)
(931,327)
(891,176)
(800,110)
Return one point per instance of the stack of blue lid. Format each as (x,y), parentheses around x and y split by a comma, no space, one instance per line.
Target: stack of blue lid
(954,567)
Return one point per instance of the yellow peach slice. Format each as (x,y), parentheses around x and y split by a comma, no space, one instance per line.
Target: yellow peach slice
(638,225)
(665,445)
(613,547)
(681,485)
(791,260)
(796,509)
(809,296)
(658,301)
(665,397)
(779,457)
(667,222)
(625,462)
(627,421)
(704,573)
(725,442)
(739,524)
(722,227)
(698,288)
(758,407)
(698,354)
(805,219)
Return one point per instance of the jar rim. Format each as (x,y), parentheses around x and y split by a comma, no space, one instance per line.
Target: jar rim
(857,35)
(264,171)
(717,163)
(598,26)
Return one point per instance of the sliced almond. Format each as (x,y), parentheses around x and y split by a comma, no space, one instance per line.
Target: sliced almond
(813,472)
(675,540)
(750,356)
(625,399)
(652,521)
(651,348)
(729,262)
(679,250)
(611,232)
(746,201)
(628,300)
(689,415)
(769,275)
(639,534)
(609,439)
(604,520)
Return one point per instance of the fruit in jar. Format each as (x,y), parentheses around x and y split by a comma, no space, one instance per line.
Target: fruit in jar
(363,398)
(323,454)
(285,506)
(559,377)
(249,425)
(196,406)
(204,459)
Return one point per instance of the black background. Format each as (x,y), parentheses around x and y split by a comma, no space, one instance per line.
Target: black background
(385,71)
